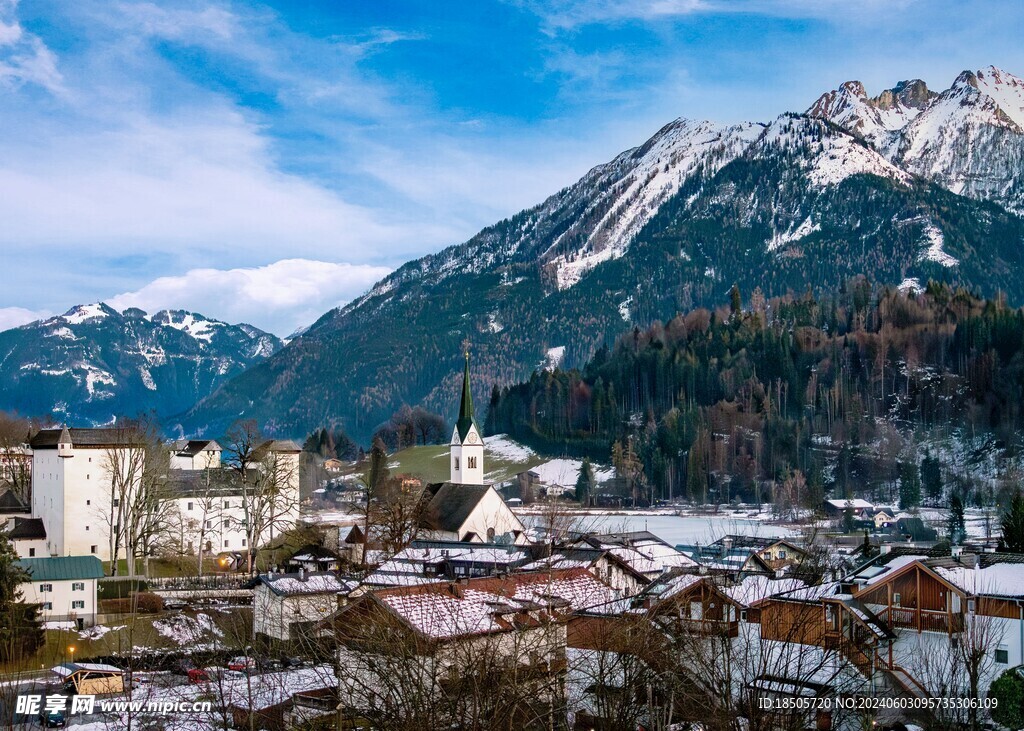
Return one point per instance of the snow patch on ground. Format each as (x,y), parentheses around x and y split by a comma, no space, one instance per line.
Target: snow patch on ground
(933,237)
(502,447)
(493,323)
(806,228)
(624,308)
(94,378)
(147,379)
(554,357)
(59,625)
(198,327)
(565,472)
(62,332)
(185,630)
(910,284)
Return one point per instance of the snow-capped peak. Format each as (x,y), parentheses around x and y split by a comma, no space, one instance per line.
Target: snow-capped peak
(199,327)
(1005,89)
(87,313)
(874,119)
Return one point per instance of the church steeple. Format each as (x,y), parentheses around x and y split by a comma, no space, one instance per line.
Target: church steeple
(466,406)
(467,458)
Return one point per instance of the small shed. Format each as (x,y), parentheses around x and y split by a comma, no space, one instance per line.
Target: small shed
(91,678)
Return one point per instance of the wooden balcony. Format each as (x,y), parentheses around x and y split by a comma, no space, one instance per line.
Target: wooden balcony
(923,619)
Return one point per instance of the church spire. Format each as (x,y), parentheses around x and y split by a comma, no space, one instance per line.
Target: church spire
(466,406)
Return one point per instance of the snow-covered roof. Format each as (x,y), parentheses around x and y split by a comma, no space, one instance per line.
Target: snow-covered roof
(314,582)
(477,606)
(855,503)
(757,588)
(1005,579)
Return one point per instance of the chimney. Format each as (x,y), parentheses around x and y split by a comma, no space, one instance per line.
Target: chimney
(726,545)
(884,549)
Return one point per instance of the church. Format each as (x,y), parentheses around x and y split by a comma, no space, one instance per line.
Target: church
(466,508)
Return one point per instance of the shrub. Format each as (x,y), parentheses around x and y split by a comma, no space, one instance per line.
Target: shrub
(1008,690)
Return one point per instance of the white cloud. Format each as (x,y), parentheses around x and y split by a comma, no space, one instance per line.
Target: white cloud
(17,316)
(278,297)
(24,58)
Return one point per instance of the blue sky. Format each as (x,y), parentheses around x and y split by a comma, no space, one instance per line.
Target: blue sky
(268,161)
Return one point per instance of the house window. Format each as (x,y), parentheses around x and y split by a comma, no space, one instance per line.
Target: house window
(226,522)
(117,501)
(1003,656)
(456,463)
(87,475)
(896,599)
(189,506)
(92,549)
(225,544)
(78,605)
(31,552)
(970,606)
(88,502)
(471,463)
(78,586)
(782,555)
(209,524)
(45,588)
(48,606)
(87,527)
(227,504)
(243,543)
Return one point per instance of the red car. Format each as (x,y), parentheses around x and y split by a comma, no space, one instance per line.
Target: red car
(197,676)
(242,664)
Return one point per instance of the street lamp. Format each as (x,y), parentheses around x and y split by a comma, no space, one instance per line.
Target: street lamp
(71,649)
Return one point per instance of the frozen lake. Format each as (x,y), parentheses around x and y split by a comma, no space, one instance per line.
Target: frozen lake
(675,529)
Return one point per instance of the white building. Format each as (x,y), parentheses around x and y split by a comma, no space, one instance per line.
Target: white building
(212,507)
(64,586)
(28,537)
(464,508)
(79,477)
(195,454)
(73,478)
(286,604)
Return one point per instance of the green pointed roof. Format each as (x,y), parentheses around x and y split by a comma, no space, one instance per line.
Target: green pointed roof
(466,406)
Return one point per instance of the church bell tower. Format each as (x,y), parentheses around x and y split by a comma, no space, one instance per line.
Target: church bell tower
(467,460)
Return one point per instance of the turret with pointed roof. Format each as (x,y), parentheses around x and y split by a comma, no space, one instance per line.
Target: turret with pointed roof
(466,419)
(467,458)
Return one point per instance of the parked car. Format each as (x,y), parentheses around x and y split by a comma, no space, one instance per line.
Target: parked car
(197,676)
(242,664)
(52,719)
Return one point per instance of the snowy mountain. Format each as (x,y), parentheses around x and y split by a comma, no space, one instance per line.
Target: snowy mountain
(969,139)
(94,363)
(906,186)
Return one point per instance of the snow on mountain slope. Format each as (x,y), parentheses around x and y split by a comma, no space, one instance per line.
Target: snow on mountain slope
(664,163)
(874,119)
(94,363)
(968,139)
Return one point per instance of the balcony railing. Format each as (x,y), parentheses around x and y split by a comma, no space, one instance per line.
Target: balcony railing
(930,620)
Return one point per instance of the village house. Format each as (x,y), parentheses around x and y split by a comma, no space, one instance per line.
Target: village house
(195,454)
(425,562)
(64,587)
(73,476)
(403,647)
(286,606)
(643,551)
(27,537)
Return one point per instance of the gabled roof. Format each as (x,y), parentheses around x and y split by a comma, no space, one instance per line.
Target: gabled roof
(192,447)
(105,437)
(452,504)
(313,552)
(490,605)
(307,584)
(62,568)
(10,502)
(27,529)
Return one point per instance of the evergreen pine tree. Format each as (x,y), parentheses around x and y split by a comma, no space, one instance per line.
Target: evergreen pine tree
(585,483)
(910,486)
(735,301)
(1012,524)
(931,476)
(957,523)
(21,631)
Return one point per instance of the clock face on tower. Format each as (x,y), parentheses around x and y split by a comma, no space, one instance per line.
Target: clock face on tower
(473,438)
